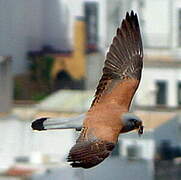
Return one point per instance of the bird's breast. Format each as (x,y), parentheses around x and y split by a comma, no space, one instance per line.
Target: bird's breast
(104,121)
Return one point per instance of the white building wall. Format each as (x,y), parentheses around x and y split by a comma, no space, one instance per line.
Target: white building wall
(56,25)
(76,9)
(146,148)
(157,16)
(146,95)
(10,142)
(18,139)
(34,23)
(20,30)
(102,33)
(52,143)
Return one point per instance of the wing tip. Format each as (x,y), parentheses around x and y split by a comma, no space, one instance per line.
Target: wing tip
(132,18)
(38,124)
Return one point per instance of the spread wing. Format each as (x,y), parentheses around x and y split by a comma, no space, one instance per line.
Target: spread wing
(123,60)
(120,79)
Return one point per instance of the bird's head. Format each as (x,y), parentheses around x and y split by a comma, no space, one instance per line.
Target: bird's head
(138,125)
(132,122)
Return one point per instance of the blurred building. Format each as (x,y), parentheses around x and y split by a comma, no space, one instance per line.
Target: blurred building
(79,35)
(44,153)
(160,85)
(29,26)
(6,84)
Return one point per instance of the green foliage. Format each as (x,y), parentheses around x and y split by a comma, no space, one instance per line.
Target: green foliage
(39,96)
(40,68)
(17,91)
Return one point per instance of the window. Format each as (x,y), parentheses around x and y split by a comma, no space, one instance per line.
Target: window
(179,28)
(179,93)
(91,19)
(161,95)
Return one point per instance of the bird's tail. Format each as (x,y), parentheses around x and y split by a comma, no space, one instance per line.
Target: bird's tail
(58,123)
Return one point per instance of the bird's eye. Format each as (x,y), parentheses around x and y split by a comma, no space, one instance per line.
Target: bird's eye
(135,122)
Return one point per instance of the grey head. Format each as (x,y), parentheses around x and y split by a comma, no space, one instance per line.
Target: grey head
(131,122)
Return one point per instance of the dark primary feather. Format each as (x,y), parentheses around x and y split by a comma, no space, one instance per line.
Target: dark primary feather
(38,124)
(124,58)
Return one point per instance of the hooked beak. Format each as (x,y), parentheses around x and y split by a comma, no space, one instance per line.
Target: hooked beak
(140,130)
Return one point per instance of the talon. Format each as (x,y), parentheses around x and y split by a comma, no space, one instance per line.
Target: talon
(140,130)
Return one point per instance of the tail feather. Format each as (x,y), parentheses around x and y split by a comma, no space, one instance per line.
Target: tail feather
(58,123)
(87,154)
(38,124)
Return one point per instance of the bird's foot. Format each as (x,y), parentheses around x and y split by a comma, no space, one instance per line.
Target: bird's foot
(140,130)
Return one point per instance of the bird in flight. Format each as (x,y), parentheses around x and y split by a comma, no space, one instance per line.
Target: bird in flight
(109,114)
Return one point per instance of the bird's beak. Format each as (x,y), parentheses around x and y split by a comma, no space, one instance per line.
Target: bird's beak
(140,130)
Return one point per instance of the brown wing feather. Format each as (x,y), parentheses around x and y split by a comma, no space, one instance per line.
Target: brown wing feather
(124,58)
(89,152)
